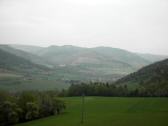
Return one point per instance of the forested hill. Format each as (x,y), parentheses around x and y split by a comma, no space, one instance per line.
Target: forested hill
(17,64)
(153,78)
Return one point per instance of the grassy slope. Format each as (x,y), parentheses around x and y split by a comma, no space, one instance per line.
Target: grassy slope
(108,111)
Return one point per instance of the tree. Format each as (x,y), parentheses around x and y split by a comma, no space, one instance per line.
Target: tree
(58,106)
(25,106)
(9,113)
(32,111)
(46,105)
(24,98)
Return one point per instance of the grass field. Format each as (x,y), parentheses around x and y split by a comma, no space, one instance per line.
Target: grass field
(16,84)
(109,111)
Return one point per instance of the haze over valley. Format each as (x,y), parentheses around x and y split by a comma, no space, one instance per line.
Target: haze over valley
(83,62)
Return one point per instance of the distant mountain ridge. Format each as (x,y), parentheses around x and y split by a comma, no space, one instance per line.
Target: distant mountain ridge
(66,64)
(78,63)
(69,54)
(26,55)
(27,48)
(152,58)
(104,50)
(11,62)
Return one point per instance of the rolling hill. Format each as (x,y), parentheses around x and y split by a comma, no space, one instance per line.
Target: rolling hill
(13,63)
(27,48)
(72,55)
(26,55)
(18,74)
(77,63)
(153,78)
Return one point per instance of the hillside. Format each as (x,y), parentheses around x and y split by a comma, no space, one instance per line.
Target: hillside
(27,48)
(153,78)
(72,55)
(123,56)
(91,63)
(11,62)
(26,55)
(116,53)
(78,63)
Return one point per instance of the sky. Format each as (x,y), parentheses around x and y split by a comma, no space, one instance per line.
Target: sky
(134,25)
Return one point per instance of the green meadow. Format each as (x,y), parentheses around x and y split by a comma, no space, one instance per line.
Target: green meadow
(109,111)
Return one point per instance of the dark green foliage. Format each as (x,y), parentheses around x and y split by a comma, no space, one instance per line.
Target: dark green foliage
(97,89)
(152,80)
(58,106)
(106,89)
(4,96)
(9,113)
(26,106)
(24,100)
(50,104)
(46,105)
(32,111)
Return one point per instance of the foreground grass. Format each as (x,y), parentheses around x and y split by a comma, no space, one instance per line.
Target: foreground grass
(109,111)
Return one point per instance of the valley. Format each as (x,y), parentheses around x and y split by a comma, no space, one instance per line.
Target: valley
(59,65)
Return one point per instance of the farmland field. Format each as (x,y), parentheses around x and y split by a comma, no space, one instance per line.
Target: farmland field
(16,84)
(110,111)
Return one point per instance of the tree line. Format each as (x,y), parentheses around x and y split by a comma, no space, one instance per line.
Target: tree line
(27,106)
(106,89)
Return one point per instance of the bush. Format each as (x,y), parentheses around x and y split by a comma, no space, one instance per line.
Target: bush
(26,106)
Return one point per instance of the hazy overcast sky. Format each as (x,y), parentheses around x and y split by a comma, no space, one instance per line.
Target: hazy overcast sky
(135,25)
